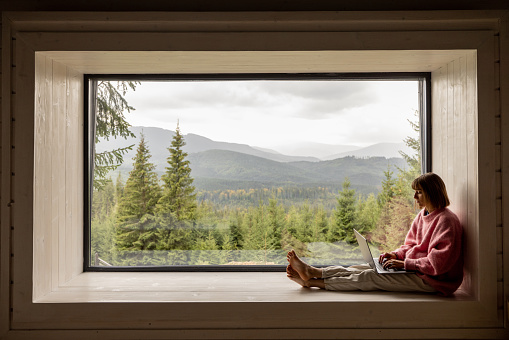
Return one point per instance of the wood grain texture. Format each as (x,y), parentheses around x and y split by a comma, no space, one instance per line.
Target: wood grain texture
(5,186)
(245,301)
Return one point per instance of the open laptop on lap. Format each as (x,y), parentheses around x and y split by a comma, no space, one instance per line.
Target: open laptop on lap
(373,262)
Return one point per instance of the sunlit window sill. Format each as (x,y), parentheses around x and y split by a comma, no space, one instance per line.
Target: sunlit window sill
(224,287)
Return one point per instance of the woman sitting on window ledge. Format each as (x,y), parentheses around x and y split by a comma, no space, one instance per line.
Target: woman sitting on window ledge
(432,252)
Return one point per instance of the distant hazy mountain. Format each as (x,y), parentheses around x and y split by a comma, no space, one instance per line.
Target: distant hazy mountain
(225,164)
(318,150)
(234,166)
(387,150)
(221,165)
(159,140)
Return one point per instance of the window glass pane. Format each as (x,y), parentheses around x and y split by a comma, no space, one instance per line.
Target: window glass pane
(239,172)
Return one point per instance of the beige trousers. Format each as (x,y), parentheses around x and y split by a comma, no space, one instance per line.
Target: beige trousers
(362,277)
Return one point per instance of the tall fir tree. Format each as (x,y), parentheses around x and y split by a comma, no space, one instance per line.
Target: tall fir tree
(177,206)
(386,195)
(179,197)
(110,106)
(136,227)
(414,143)
(344,215)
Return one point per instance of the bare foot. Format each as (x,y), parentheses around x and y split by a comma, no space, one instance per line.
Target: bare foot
(305,271)
(294,276)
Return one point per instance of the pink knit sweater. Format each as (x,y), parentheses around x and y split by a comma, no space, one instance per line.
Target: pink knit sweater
(433,250)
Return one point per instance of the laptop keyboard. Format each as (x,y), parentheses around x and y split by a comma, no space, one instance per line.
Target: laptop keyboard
(380,267)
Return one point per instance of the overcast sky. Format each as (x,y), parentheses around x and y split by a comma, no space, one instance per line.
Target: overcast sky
(274,113)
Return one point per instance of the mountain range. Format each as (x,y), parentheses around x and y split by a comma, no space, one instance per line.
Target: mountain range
(219,165)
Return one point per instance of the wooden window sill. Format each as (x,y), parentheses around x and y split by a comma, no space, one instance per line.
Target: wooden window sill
(210,287)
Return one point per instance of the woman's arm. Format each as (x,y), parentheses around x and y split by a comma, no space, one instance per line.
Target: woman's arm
(444,250)
(410,241)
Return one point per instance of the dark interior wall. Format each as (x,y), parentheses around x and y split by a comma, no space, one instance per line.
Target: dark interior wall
(250,5)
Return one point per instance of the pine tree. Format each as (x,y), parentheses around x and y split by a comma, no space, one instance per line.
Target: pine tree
(414,143)
(176,209)
(387,193)
(179,197)
(368,213)
(320,225)
(102,226)
(275,223)
(305,224)
(136,229)
(393,224)
(344,215)
(110,122)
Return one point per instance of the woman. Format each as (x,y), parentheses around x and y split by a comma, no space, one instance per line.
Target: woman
(432,252)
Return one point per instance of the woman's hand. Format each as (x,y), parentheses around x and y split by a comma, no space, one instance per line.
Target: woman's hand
(394,264)
(386,256)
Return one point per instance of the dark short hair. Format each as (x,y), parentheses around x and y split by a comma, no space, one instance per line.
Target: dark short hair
(434,189)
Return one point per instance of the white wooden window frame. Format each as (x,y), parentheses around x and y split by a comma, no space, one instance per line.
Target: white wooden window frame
(42,119)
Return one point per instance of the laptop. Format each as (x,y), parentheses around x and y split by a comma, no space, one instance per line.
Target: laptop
(373,262)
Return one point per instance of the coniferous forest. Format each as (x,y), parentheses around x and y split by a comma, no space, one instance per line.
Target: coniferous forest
(151,220)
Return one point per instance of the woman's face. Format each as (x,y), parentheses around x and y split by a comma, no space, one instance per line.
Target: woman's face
(420,198)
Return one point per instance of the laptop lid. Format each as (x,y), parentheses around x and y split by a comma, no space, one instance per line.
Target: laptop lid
(368,257)
(366,252)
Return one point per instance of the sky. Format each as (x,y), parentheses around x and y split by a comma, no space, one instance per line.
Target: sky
(270,114)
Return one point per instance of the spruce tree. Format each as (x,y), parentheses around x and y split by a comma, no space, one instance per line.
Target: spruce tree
(179,197)
(344,215)
(136,228)
(387,193)
(176,209)
(110,122)
(414,143)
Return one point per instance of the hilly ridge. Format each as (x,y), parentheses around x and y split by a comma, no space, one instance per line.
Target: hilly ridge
(212,168)
(158,140)
(222,166)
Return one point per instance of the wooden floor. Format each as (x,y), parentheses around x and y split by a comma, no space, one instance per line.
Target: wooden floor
(207,287)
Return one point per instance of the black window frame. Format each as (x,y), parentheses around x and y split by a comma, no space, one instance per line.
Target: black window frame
(90,81)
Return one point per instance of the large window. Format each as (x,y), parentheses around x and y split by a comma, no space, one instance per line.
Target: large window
(230,172)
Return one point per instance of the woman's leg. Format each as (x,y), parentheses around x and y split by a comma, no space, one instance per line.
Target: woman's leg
(304,270)
(294,276)
(333,271)
(368,280)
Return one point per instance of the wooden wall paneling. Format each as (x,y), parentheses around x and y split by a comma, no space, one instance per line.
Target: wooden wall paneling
(458,156)
(23,184)
(438,83)
(75,100)
(471,251)
(500,244)
(444,113)
(61,124)
(276,333)
(486,169)
(449,126)
(267,21)
(253,61)
(46,179)
(42,186)
(504,137)
(69,182)
(250,41)
(5,187)
(461,172)
(58,168)
(500,274)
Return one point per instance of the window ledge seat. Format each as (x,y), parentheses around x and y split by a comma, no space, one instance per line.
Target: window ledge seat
(225,287)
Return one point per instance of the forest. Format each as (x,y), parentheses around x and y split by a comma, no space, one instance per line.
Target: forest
(146,220)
